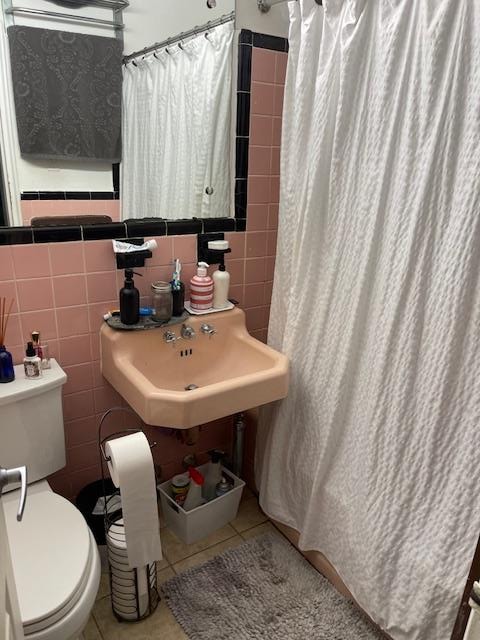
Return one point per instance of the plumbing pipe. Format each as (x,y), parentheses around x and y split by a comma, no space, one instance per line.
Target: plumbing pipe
(238,444)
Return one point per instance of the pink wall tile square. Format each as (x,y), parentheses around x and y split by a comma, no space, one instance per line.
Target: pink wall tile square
(273,216)
(14,334)
(74,350)
(257,318)
(66,258)
(35,294)
(106,207)
(26,211)
(106,397)
(275,161)
(259,160)
(97,311)
(278,100)
(258,189)
(236,270)
(236,293)
(253,295)
(237,245)
(79,378)
(6,264)
(274,189)
(43,321)
(81,457)
(257,217)
(79,479)
(72,321)
(95,345)
(8,290)
(185,248)
(31,260)
(98,379)
(267,294)
(99,256)
(281,67)
(69,290)
(256,244)
(81,431)
(101,286)
(269,267)
(261,130)
(258,334)
(78,405)
(271,243)
(42,208)
(18,352)
(254,270)
(277,131)
(163,254)
(262,99)
(263,64)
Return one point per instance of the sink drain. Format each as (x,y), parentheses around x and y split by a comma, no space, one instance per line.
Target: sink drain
(191,387)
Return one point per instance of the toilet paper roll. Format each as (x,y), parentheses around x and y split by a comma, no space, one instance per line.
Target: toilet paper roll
(131,469)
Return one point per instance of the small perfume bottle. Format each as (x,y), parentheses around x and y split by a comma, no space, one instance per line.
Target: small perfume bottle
(32,363)
(41,350)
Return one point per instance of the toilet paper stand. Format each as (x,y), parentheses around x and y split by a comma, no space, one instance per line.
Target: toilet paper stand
(134,594)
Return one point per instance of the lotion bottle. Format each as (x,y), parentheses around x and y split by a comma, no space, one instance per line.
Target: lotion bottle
(221,285)
(129,300)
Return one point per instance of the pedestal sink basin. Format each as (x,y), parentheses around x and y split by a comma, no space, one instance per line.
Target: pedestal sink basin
(187,382)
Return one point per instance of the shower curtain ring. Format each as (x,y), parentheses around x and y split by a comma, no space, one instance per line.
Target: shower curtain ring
(206,35)
(134,63)
(180,45)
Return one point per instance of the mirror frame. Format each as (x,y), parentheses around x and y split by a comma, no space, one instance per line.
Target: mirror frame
(135,228)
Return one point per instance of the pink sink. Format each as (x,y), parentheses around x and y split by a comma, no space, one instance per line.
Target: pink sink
(227,372)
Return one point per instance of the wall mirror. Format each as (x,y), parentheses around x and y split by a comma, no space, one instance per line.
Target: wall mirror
(61,114)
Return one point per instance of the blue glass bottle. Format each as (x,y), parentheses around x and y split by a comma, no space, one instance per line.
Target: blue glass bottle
(7,373)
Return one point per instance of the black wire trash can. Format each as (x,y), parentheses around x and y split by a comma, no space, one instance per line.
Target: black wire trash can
(134,593)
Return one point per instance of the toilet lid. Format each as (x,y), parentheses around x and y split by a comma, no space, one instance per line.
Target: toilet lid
(51,553)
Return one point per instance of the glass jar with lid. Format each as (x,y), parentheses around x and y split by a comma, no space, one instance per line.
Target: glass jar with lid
(162,301)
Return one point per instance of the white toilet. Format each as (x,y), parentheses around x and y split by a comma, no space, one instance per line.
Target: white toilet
(54,555)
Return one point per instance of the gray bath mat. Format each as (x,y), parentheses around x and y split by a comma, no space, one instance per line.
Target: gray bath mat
(263,589)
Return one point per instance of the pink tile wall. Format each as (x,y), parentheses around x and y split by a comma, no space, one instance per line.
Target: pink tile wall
(35,208)
(63,290)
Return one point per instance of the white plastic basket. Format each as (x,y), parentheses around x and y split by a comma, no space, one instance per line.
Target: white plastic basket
(192,526)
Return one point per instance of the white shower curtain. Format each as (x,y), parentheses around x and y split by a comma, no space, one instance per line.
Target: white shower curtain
(176,130)
(374,455)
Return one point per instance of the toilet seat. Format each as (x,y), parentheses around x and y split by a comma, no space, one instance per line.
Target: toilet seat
(52,540)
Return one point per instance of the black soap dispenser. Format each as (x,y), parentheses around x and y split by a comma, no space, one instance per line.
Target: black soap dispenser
(129,300)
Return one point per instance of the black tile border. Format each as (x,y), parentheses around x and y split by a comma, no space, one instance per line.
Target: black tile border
(135,228)
(70,195)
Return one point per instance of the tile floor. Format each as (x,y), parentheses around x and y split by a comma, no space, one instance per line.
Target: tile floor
(250,522)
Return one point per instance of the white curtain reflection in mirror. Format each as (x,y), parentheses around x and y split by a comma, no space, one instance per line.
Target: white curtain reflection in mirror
(176,130)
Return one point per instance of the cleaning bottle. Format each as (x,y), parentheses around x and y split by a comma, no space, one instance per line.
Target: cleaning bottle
(213,475)
(194,496)
(129,300)
(201,289)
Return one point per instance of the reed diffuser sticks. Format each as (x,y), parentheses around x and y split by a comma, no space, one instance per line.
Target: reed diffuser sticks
(4,317)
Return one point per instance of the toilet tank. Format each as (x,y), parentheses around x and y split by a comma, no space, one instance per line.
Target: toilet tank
(31,422)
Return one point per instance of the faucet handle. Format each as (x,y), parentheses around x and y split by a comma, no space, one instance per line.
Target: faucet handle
(187,332)
(170,337)
(208,329)
(10,476)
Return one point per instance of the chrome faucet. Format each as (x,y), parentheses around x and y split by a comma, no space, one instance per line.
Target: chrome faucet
(187,332)
(208,329)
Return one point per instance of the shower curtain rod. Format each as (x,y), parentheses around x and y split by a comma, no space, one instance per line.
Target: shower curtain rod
(264,6)
(181,36)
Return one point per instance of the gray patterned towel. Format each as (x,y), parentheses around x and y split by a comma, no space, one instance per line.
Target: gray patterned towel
(67,89)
